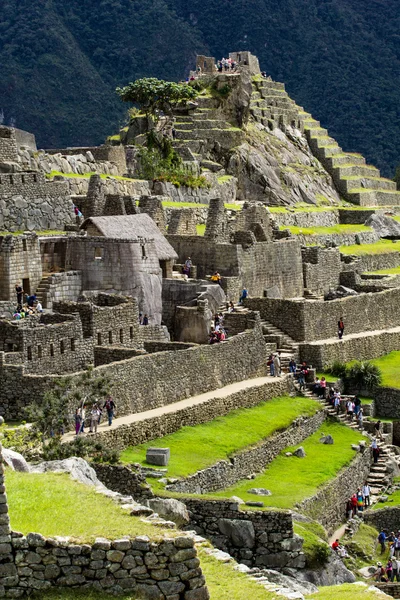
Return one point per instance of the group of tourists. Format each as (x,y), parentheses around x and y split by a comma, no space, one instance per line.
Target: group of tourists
(82,418)
(31,306)
(392,569)
(360,500)
(226,65)
(218,333)
(274,364)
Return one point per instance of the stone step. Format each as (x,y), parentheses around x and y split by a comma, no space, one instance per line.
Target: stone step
(344,159)
(348,184)
(351,170)
(322,142)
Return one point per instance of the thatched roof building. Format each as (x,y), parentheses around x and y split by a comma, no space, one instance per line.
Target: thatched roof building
(131,227)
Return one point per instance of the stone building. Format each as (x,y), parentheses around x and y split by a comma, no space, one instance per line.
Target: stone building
(20,261)
(182,222)
(152,206)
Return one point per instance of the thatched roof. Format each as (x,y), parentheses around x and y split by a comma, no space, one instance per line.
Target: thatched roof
(133,227)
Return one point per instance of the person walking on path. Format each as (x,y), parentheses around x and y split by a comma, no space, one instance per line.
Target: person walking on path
(340,328)
(277,365)
(110,407)
(83,417)
(94,418)
(378,430)
(382,541)
(78,421)
(19,292)
(271,365)
(375,450)
(366,491)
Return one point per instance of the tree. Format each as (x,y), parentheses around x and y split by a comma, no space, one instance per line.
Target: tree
(55,412)
(152,94)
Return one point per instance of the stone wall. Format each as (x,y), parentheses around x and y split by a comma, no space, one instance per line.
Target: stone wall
(387,518)
(123,187)
(150,381)
(387,402)
(126,480)
(263,265)
(371,262)
(328,505)
(150,569)
(104,355)
(46,344)
(113,155)
(391,589)
(254,460)
(170,422)
(226,191)
(19,262)
(8,145)
(339,239)
(255,538)
(321,269)
(365,347)
(327,218)
(309,320)
(357,217)
(28,202)
(61,286)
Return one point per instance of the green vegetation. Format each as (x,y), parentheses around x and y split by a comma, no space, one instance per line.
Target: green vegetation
(381,247)
(392,271)
(200,229)
(315,544)
(346,591)
(389,366)
(87,175)
(224,179)
(37,500)
(292,479)
(362,375)
(154,95)
(41,233)
(340,229)
(172,204)
(194,448)
(393,498)
(363,547)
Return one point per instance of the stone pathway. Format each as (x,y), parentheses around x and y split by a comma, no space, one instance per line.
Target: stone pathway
(176,406)
(352,336)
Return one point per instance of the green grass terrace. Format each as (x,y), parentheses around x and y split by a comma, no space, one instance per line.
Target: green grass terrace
(334,229)
(381,247)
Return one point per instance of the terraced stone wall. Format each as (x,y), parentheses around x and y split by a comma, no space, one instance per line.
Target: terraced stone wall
(320,354)
(321,269)
(126,480)
(254,460)
(255,538)
(328,505)
(309,320)
(387,401)
(387,518)
(328,218)
(150,381)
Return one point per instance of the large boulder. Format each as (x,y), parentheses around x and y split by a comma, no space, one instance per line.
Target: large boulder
(78,469)
(170,509)
(334,572)
(384,226)
(240,533)
(15,460)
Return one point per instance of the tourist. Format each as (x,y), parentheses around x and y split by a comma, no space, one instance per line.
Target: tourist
(360,419)
(378,430)
(322,388)
(397,548)
(187,266)
(380,574)
(349,509)
(316,386)
(354,504)
(335,545)
(231,307)
(336,401)
(389,570)
(83,416)
(78,421)
(110,407)
(271,365)
(145,320)
(216,277)
(94,418)
(17,315)
(301,379)
(357,405)
(277,365)
(292,366)
(382,541)
(243,295)
(31,300)
(19,291)
(340,328)
(350,409)
(395,570)
(366,490)
(375,450)
(360,501)
(39,307)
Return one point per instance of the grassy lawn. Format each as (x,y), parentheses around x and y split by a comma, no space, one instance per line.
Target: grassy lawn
(87,175)
(194,448)
(200,229)
(292,479)
(381,247)
(393,271)
(364,548)
(338,229)
(41,233)
(390,368)
(329,378)
(346,591)
(53,504)
(315,544)
(172,204)
(393,499)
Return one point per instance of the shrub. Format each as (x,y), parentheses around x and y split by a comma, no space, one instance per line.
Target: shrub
(338,369)
(364,375)
(81,447)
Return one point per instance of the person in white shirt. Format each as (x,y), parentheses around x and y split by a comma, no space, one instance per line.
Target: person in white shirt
(366,492)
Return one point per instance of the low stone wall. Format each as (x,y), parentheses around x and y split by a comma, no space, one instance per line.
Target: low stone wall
(145,382)
(156,346)
(384,518)
(255,538)
(328,505)
(356,217)
(327,218)
(254,460)
(387,402)
(339,239)
(104,355)
(123,187)
(366,347)
(374,262)
(153,570)
(127,480)
(391,589)
(150,429)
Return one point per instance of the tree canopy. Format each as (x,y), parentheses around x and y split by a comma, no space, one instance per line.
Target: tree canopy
(152,94)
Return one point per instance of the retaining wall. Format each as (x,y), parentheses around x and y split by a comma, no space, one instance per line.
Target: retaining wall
(385,518)
(127,480)
(255,538)
(365,347)
(254,460)
(149,429)
(328,505)
(327,218)
(387,402)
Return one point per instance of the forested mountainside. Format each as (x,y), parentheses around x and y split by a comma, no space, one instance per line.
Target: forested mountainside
(60,61)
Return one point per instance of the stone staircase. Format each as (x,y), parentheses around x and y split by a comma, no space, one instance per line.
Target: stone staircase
(284,343)
(271,105)
(356,181)
(42,291)
(379,477)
